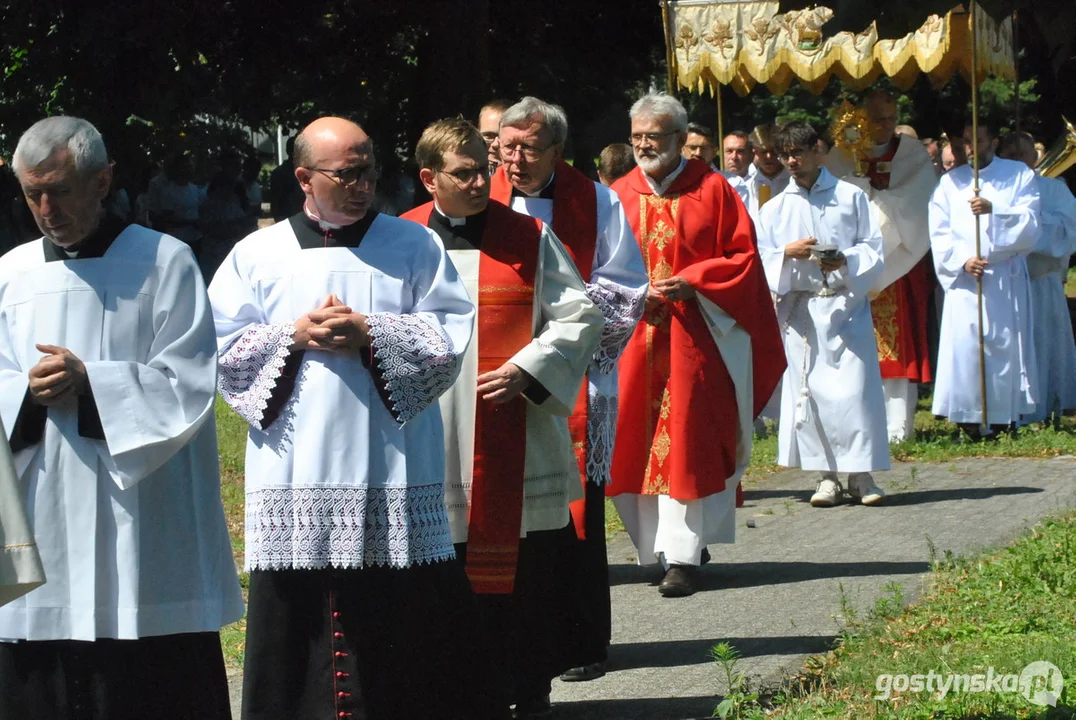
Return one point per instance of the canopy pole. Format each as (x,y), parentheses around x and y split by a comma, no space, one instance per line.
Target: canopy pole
(984,425)
(720,139)
(669,57)
(1016,61)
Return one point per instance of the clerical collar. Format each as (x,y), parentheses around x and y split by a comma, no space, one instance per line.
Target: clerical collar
(660,188)
(459,233)
(94,246)
(452,221)
(312,232)
(546,193)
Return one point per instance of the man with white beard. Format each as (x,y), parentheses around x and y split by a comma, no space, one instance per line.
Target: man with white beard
(682,445)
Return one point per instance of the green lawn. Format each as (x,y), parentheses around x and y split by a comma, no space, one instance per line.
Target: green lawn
(1003,610)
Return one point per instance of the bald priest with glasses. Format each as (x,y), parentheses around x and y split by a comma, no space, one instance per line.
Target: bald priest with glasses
(337,331)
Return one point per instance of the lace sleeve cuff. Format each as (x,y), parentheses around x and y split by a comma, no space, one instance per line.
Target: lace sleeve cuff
(621,307)
(413,363)
(251,371)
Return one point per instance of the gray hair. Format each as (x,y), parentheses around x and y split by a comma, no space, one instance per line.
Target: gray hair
(532,109)
(659,104)
(54,133)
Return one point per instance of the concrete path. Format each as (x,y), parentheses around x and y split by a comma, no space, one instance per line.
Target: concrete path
(776,594)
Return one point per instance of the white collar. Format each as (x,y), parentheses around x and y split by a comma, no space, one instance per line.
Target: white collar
(452,221)
(660,188)
(323,224)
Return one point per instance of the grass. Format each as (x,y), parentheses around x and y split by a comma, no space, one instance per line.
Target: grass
(1070,283)
(1003,610)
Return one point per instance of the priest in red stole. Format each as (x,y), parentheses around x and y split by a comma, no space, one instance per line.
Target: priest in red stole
(587,217)
(511,470)
(702,363)
(901,179)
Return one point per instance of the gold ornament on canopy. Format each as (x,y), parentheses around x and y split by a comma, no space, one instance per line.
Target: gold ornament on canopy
(851,132)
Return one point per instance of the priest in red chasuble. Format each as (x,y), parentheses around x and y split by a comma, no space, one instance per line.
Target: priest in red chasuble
(901,179)
(510,468)
(702,363)
(588,218)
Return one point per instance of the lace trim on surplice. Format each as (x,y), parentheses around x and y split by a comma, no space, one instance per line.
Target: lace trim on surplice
(346,527)
(414,362)
(251,367)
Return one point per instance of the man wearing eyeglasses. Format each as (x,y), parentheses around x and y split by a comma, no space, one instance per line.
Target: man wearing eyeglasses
(511,468)
(535,180)
(338,330)
(702,362)
(767,176)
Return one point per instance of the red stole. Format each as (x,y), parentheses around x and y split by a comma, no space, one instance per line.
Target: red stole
(878,169)
(575,223)
(506,271)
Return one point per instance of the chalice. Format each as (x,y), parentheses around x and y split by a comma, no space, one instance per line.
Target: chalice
(826,253)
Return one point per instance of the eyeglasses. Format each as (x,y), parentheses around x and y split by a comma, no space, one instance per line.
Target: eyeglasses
(797,153)
(654,138)
(529,152)
(467,176)
(350,176)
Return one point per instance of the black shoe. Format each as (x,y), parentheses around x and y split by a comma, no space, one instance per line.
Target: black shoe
(535,708)
(679,581)
(704,557)
(584,673)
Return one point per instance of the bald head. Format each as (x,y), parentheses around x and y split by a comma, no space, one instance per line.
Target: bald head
(330,137)
(1019,146)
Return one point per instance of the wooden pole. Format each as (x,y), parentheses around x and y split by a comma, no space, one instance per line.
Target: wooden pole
(985,424)
(720,139)
(1016,61)
(670,58)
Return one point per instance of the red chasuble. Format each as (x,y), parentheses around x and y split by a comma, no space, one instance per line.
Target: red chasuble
(900,311)
(677,426)
(506,271)
(575,223)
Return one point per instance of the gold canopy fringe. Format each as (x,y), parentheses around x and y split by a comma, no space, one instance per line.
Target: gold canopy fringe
(742,44)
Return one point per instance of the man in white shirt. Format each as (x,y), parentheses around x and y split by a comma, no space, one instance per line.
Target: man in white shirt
(108,375)
(1008,210)
(767,176)
(832,409)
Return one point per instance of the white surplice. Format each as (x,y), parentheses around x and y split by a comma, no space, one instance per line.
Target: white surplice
(832,410)
(566,329)
(617,285)
(20,563)
(340,479)
(755,180)
(1054,381)
(130,529)
(1008,234)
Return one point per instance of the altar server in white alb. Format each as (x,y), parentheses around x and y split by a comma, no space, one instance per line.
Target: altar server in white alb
(20,563)
(107,382)
(511,469)
(1008,210)
(832,409)
(338,331)
(1054,380)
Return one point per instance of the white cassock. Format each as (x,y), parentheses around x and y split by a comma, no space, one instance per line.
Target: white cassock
(20,564)
(901,214)
(617,285)
(832,410)
(738,184)
(340,479)
(132,533)
(567,326)
(755,181)
(1008,233)
(1054,381)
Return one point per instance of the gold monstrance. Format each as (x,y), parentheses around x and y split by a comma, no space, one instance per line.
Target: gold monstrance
(851,132)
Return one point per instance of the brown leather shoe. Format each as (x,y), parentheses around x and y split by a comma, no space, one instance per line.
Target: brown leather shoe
(679,581)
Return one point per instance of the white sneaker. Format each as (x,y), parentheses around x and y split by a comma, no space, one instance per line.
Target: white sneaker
(828,493)
(862,486)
